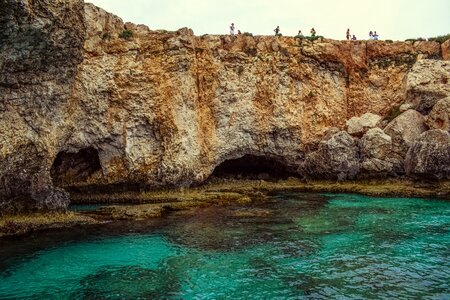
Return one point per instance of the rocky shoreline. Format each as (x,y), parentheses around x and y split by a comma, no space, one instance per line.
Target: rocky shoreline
(156,204)
(84,105)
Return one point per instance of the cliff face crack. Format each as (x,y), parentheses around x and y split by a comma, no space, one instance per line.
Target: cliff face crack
(253,167)
(70,169)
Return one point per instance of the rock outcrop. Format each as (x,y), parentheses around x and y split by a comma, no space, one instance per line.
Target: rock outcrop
(429,156)
(359,125)
(87,100)
(376,153)
(427,83)
(404,130)
(336,158)
(439,117)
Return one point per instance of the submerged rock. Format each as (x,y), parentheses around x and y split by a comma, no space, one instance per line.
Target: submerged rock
(429,156)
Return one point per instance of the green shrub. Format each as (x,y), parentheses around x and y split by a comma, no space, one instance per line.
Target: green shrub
(248,34)
(415,40)
(313,38)
(389,41)
(126,34)
(106,36)
(440,39)
(311,94)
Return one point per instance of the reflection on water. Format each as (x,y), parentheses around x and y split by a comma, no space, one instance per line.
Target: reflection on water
(293,245)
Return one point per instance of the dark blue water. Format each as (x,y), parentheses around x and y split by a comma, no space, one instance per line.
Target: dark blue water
(292,246)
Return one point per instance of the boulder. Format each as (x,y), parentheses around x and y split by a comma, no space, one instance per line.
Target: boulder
(427,83)
(429,156)
(336,158)
(439,115)
(376,148)
(404,130)
(359,125)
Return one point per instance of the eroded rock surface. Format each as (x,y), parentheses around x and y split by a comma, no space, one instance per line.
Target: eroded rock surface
(376,153)
(90,101)
(429,156)
(404,130)
(336,158)
(427,83)
(359,125)
(440,115)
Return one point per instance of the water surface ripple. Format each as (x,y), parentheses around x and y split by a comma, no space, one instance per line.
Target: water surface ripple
(292,246)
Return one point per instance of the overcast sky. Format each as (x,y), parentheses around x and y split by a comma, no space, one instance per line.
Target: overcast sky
(392,19)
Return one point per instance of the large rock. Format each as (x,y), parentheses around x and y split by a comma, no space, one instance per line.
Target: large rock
(336,158)
(404,130)
(439,115)
(429,156)
(359,125)
(82,105)
(427,83)
(376,150)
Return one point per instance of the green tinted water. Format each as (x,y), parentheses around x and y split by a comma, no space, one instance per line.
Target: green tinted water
(293,246)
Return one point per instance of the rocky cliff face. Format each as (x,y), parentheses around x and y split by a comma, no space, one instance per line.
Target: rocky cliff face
(81,106)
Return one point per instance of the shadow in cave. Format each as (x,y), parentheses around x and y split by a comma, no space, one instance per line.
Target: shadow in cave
(253,167)
(70,169)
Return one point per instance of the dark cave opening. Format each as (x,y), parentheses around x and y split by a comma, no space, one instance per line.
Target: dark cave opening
(73,168)
(254,167)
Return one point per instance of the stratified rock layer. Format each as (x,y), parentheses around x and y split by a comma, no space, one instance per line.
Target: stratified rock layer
(81,106)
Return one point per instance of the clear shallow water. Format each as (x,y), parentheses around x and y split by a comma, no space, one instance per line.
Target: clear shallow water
(293,246)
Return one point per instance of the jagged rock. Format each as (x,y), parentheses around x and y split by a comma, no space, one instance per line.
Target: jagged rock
(427,83)
(404,130)
(439,115)
(429,156)
(446,50)
(336,158)
(359,125)
(376,148)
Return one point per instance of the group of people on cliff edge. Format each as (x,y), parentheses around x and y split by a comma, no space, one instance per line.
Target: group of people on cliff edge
(372,34)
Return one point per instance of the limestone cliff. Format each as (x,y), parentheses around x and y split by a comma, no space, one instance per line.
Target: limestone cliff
(82,106)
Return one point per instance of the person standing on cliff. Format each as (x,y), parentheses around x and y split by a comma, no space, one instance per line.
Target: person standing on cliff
(348,34)
(277,30)
(232,29)
(313,32)
(375,36)
(371,35)
(353,38)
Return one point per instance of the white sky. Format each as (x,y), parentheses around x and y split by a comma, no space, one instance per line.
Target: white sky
(392,19)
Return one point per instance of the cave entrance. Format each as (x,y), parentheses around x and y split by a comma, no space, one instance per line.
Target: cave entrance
(71,169)
(254,167)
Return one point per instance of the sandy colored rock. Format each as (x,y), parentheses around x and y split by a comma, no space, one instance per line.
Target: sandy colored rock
(359,125)
(439,115)
(446,50)
(404,130)
(429,156)
(376,148)
(427,83)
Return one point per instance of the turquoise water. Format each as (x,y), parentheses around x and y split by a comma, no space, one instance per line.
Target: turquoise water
(293,246)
